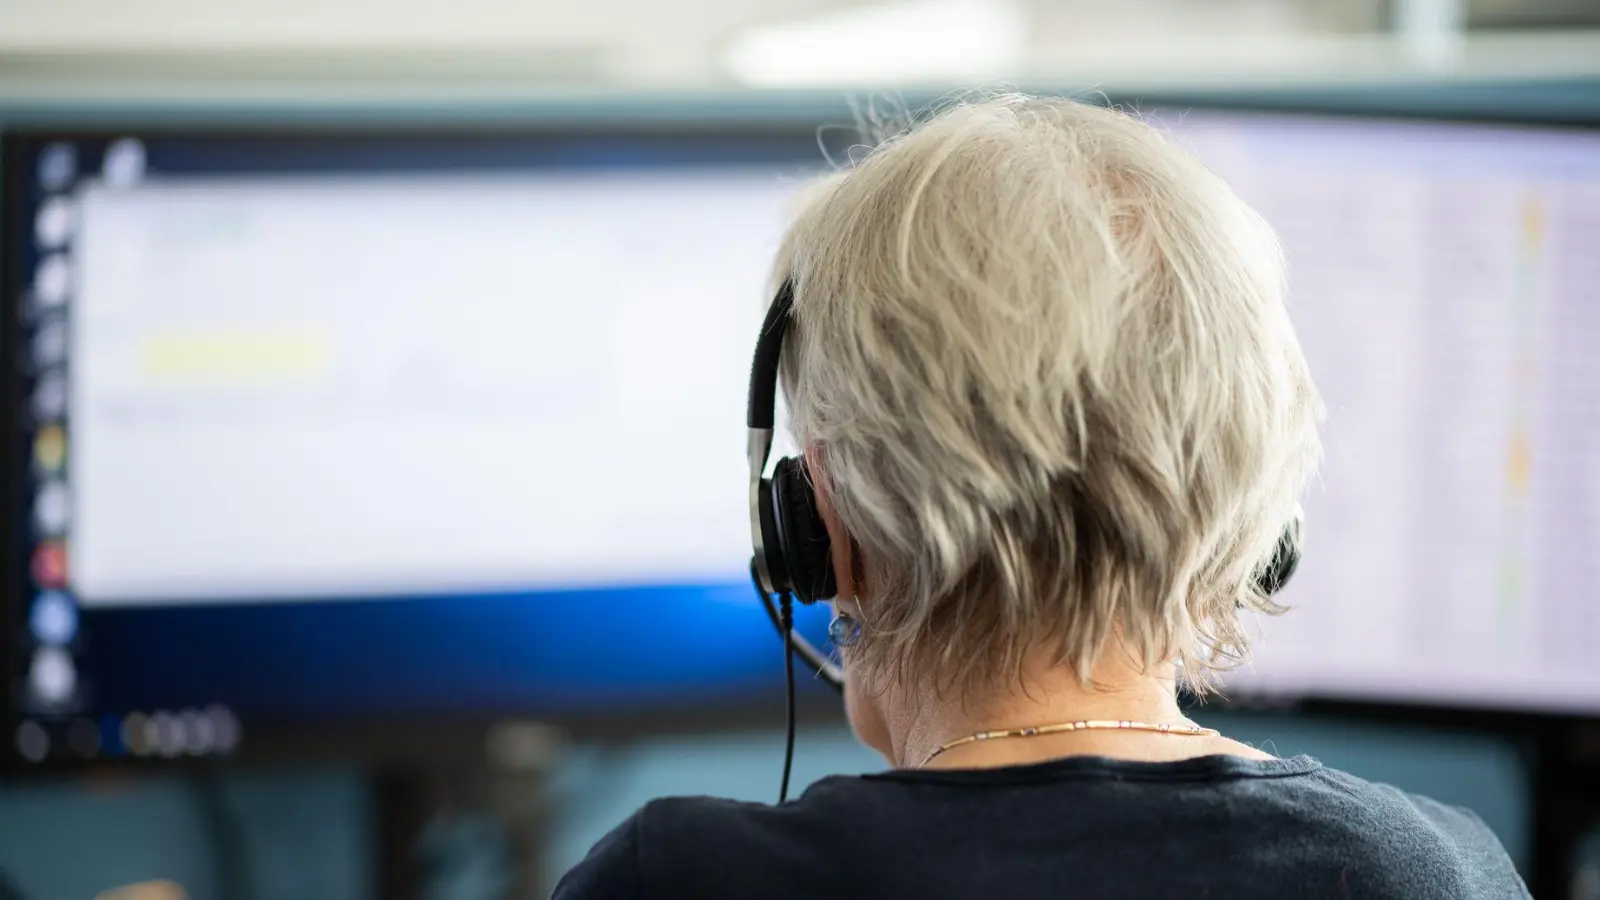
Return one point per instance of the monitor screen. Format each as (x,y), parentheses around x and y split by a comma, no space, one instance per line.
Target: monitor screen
(1445,283)
(351,425)
(343,426)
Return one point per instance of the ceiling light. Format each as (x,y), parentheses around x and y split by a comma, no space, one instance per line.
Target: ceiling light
(883,45)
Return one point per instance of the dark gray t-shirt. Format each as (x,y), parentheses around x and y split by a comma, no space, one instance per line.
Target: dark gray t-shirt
(1081,828)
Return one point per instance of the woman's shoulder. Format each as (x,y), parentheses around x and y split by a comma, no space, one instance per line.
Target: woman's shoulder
(702,846)
(1415,834)
(675,819)
(1401,807)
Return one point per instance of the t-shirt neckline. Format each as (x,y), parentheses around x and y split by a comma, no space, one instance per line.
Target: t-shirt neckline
(1216,767)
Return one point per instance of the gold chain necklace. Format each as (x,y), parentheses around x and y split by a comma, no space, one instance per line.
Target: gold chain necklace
(1064,727)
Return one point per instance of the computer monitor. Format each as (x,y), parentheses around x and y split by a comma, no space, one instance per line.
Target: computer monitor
(352,425)
(333,427)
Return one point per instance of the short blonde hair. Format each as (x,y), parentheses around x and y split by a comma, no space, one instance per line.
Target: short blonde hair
(1044,357)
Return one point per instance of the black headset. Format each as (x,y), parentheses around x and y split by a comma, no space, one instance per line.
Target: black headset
(792,557)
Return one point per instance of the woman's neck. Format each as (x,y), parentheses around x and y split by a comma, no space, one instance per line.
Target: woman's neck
(920,723)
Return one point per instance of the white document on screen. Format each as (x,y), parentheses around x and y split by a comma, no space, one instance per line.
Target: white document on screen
(1446,291)
(297,387)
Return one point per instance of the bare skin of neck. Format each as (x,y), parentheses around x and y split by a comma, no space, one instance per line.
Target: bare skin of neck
(917,722)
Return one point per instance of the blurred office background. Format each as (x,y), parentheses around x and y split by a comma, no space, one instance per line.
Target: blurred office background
(345,344)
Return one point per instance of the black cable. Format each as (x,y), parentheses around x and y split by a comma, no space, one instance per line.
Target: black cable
(827,671)
(786,613)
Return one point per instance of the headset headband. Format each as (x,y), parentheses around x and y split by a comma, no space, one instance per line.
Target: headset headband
(759,412)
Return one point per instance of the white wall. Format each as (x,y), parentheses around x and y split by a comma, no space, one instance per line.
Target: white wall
(114,47)
(633,39)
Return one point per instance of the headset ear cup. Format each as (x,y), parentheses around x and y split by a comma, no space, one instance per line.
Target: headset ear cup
(802,535)
(1285,557)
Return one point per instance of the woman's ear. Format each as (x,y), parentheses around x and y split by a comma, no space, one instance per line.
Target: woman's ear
(843,547)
